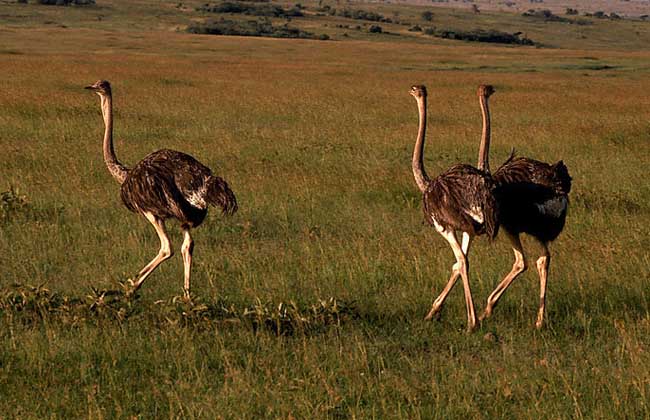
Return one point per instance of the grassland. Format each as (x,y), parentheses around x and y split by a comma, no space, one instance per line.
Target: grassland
(315,137)
(629,8)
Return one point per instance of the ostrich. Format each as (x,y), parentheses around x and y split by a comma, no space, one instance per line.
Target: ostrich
(165,184)
(533,198)
(459,199)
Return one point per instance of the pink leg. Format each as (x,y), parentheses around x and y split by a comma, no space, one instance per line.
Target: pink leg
(542,268)
(460,269)
(164,253)
(186,250)
(518,267)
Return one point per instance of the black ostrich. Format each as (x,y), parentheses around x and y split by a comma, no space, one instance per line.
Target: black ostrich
(533,198)
(459,199)
(165,184)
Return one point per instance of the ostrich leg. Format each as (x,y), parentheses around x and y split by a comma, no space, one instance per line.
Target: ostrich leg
(164,253)
(455,272)
(518,267)
(187,249)
(460,268)
(542,268)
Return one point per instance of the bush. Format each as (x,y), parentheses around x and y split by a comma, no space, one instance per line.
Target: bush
(375,29)
(12,204)
(480,35)
(251,28)
(428,16)
(548,16)
(415,28)
(268,10)
(545,15)
(66,2)
(361,15)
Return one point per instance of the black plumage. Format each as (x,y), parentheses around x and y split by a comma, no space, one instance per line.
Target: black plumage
(461,199)
(533,198)
(165,184)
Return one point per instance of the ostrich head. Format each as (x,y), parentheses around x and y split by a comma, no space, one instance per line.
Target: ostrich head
(418,91)
(485,90)
(101,87)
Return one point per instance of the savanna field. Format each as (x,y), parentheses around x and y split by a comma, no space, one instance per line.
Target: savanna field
(309,301)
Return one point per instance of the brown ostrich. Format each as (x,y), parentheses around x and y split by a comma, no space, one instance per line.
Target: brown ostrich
(458,200)
(165,184)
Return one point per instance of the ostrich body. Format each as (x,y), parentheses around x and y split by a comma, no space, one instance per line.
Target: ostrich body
(533,199)
(458,200)
(165,184)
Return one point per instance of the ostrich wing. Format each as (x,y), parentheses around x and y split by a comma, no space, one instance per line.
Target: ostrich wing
(165,183)
(461,198)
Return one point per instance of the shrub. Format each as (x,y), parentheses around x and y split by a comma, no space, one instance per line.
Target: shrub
(480,35)
(428,16)
(251,28)
(251,9)
(359,14)
(545,15)
(12,204)
(375,29)
(33,305)
(415,28)
(66,2)
(548,16)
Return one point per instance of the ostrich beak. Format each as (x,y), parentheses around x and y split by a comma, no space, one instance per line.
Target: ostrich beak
(89,87)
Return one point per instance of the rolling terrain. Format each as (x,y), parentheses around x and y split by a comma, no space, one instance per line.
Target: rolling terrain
(308,303)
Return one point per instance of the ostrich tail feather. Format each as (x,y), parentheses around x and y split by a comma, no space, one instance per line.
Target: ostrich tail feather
(220,195)
(562,178)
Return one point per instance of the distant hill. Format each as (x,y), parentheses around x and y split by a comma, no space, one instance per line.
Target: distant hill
(630,8)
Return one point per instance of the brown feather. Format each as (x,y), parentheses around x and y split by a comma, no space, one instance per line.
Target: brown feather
(171,184)
(457,193)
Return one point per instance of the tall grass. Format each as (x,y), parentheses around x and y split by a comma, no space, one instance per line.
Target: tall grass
(315,139)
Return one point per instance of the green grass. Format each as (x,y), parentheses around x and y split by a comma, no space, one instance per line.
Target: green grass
(315,138)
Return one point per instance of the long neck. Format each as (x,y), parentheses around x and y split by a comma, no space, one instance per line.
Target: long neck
(419,173)
(484,150)
(117,170)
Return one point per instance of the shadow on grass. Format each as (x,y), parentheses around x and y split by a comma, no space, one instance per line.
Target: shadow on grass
(585,314)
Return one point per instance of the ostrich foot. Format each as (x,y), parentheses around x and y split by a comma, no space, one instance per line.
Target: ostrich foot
(472,326)
(129,287)
(186,298)
(434,313)
(485,315)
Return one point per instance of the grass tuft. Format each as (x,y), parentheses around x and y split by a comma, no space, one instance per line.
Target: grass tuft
(34,304)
